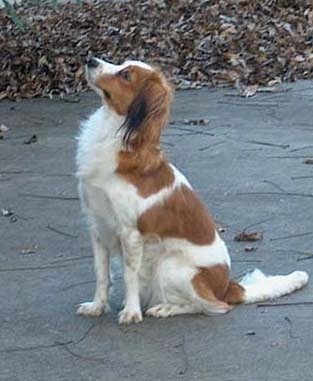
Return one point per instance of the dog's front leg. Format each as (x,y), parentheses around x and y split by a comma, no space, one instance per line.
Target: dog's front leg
(102,270)
(132,246)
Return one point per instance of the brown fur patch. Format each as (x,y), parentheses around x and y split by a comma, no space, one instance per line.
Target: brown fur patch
(181,215)
(121,92)
(147,183)
(213,283)
(235,293)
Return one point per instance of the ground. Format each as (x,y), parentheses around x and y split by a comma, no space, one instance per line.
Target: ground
(245,156)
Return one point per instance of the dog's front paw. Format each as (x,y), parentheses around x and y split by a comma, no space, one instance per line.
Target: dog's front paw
(91,309)
(127,316)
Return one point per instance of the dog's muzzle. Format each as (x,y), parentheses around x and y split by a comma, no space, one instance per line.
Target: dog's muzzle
(92,63)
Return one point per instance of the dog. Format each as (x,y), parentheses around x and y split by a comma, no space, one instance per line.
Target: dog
(141,206)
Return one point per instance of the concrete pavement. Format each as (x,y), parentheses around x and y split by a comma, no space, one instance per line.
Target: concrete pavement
(248,164)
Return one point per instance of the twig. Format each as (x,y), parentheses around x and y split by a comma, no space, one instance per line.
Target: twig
(82,357)
(34,347)
(83,337)
(268,144)
(43,196)
(75,342)
(305,255)
(291,236)
(275,193)
(185,358)
(300,148)
(285,304)
(290,327)
(305,258)
(45,174)
(289,157)
(248,104)
(59,175)
(33,268)
(301,90)
(246,260)
(178,134)
(274,185)
(210,146)
(14,172)
(290,251)
(55,344)
(61,232)
(168,144)
(77,284)
(301,177)
(72,259)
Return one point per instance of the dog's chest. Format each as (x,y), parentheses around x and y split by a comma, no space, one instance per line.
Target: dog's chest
(112,201)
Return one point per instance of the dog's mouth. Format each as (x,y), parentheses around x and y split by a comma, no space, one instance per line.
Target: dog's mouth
(88,75)
(106,94)
(91,79)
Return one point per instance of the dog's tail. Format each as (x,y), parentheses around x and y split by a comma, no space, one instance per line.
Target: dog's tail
(258,287)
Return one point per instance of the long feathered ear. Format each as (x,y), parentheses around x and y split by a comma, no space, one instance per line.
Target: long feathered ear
(148,114)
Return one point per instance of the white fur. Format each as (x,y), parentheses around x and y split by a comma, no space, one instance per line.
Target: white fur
(260,287)
(157,273)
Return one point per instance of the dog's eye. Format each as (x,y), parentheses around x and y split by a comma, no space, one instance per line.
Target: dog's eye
(125,74)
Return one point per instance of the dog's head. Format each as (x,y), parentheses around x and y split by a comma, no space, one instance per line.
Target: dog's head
(137,91)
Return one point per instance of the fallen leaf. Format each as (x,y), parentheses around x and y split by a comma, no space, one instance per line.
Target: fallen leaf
(6,212)
(196,122)
(308,161)
(250,237)
(250,333)
(13,218)
(29,250)
(221,229)
(3,128)
(31,140)
(273,82)
(250,249)
(249,91)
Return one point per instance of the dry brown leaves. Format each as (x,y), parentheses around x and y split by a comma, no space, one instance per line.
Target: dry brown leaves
(248,237)
(197,43)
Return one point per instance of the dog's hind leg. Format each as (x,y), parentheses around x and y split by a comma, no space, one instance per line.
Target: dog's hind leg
(175,292)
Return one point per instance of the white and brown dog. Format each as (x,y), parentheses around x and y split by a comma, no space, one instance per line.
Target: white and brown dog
(139,205)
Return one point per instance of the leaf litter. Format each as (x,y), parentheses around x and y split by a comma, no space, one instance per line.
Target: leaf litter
(197,43)
(248,237)
(29,250)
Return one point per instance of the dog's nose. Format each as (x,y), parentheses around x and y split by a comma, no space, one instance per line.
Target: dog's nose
(92,62)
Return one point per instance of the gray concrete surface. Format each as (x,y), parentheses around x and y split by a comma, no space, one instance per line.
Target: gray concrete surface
(247,164)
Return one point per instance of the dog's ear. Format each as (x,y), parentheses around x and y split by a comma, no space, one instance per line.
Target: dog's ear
(148,114)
